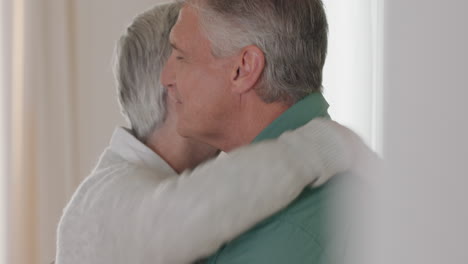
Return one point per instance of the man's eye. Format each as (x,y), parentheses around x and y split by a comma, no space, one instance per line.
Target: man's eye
(179,58)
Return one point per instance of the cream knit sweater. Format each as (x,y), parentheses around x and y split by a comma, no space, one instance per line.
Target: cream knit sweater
(134,208)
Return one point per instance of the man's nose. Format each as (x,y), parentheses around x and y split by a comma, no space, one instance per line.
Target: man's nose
(168,73)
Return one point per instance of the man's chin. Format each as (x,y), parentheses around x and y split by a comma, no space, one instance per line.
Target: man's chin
(183,131)
(194,132)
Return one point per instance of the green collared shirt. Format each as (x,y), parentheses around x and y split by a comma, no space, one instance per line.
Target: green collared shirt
(296,234)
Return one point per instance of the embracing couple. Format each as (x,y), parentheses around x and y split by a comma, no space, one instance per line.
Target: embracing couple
(231,156)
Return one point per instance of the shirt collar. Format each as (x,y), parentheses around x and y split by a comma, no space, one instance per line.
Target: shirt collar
(312,106)
(125,144)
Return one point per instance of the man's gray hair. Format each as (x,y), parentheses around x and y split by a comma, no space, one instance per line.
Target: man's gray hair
(291,33)
(140,56)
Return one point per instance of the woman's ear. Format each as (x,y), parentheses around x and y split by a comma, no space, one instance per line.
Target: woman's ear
(248,69)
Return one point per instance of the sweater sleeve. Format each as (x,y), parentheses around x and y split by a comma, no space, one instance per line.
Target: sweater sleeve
(220,199)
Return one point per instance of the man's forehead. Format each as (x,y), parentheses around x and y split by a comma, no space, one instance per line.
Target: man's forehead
(186,25)
(187,13)
(173,34)
(180,22)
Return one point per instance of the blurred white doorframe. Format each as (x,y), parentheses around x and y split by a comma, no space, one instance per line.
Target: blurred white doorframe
(353,70)
(21,196)
(37,90)
(3,135)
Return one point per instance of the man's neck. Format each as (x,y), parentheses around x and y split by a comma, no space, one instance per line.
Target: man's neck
(253,119)
(179,152)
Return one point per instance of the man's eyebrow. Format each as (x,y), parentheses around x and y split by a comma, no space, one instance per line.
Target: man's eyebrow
(174,46)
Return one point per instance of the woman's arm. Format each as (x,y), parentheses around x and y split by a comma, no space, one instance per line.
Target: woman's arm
(222,198)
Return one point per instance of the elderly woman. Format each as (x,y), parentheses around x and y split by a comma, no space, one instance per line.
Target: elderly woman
(135,208)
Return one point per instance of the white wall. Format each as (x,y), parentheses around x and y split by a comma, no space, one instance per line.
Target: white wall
(98,24)
(350,83)
(425,132)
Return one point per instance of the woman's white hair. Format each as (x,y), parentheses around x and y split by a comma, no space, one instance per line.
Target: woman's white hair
(140,56)
(291,33)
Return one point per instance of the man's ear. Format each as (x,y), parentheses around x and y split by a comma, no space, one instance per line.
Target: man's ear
(248,69)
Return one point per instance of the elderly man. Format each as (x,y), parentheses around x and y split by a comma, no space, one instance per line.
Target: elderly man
(134,208)
(245,71)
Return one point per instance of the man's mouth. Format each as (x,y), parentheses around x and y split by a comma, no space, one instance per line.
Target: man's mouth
(173,95)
